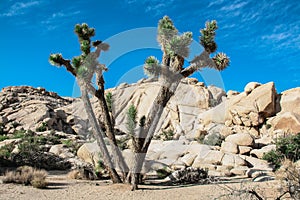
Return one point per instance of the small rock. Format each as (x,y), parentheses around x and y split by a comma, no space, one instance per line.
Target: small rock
(251,86)
(259,153)
(229,147)
(241,139)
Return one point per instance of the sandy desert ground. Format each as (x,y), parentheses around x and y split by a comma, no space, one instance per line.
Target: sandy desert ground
(60,187)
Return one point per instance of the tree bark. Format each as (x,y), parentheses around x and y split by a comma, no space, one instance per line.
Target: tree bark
(170,79)
(98,134)
(109,126)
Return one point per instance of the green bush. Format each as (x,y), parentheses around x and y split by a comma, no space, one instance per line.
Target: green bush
(5,151)
(109,101)
(72,145)
(286,147)
(43,127)
(3,137)
(122,142)
(165,135)
(163,173)
(213,139)
(19,134)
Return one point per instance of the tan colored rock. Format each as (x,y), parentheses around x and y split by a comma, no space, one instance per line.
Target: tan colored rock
(197,149)
(239,171)
(9,141)
(257,164)
(89,152)
(244,109)
(242,139)
(180,113)
(231,93)
(244,149)
(238,161)
(251,86)
(290,101)
(211,157)
(188,159)
(228,160)
(3,120)
(57,149)
(229,147)
(259,153)
(217,94)
(286,121)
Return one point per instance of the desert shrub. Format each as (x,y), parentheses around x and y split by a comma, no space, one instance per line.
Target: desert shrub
(19,134)
(3,137)
(274,157)
(200,139)
(289,175)
(28,176)
(74,174)
(72,145)
(5,151)
(165,135)
(109,101)
(286,147)
(43,127)
(212,102)
(163,173)
(213,139)
(122,142)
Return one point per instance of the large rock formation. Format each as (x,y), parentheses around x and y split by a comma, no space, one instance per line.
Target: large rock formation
(27,108)
(226,133)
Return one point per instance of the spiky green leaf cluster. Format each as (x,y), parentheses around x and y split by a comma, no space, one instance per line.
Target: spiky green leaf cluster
(56,59)
(179,45)
(84,34)
(166,30)
(171,42)
(207,38)
(152,67)
(221,61)
(109,101)
(131,119)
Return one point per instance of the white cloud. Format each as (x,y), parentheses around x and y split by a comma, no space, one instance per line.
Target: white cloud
(19,8)
(233,7)
(276,36)
(213,3)
(155,7)
(55,19)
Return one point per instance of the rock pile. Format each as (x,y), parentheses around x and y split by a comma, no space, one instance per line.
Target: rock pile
(227,133)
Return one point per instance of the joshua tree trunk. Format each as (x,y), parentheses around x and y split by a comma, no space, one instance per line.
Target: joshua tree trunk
(109,126)
(169,82)
(98,134)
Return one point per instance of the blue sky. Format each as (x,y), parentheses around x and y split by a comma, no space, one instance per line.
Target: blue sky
(262,38)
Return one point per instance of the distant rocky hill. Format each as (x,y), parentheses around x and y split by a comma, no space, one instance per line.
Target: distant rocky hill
(206,127)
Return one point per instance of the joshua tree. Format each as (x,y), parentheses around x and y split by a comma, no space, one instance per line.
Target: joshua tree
(84,67)
(170,72)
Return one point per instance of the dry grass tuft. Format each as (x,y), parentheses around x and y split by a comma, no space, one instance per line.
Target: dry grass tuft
(28,176)
(289,175)
(75,174)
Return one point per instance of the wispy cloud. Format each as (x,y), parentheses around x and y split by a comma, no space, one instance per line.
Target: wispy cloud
(233,7)
(55,20)
(214,3)
(155,7)
(19,8)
